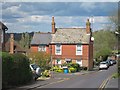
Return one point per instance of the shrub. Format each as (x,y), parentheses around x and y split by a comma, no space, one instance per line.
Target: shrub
(7,64)
(54,68)
(60,70)
(74,65)
(72,70)
(46,73)
(16,69)
(21,69)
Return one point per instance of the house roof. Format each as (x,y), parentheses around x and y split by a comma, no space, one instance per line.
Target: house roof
(2,26)
(71,35)
(62,35)
(41,38)
(18,47)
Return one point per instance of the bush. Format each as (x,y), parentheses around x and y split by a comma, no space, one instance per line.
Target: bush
(74,65)
(72,70)
(60,70)
(46,73)
(21,69)
(54,68)
(7,64)
(16,69)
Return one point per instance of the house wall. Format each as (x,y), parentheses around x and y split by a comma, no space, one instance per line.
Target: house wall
(91,55)
(69,51)
(34,48)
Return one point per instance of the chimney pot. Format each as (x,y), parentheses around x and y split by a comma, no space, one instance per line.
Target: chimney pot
(88,27)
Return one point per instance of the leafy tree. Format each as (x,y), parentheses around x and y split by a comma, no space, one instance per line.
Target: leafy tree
(40,58)
(25,40)
(104,43)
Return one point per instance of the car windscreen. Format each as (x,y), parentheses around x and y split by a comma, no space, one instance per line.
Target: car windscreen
(34,66)
(103,63)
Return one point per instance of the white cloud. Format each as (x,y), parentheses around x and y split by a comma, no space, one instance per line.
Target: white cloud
(34,18)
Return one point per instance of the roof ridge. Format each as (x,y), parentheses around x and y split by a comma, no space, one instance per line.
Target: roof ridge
(72,28)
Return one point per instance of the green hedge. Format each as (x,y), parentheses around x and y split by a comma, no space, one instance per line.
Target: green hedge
(15,69)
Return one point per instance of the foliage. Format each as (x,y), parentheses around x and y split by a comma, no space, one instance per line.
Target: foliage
(72,65)
(104,43)
(75,65)
(40,58)
(119,66)
(15,69)
(60,70)
(21,69)
(25,40)
(116,75)
(72,70)
(7,64)
(46,73)
(54,68)
(57,69)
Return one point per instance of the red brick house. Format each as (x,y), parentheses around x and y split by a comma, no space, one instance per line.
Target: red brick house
(66,45)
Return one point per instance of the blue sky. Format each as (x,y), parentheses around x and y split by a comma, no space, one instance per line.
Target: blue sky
(36,16)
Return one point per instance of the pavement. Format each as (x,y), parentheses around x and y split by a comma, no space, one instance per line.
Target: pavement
(113,83)
(56,77)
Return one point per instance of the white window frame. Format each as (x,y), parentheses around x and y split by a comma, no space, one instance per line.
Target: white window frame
(81,49)
(59,62)
(56,53)
(42,48)
(80,63)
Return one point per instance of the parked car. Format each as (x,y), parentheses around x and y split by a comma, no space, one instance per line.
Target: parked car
(114,61)
(110,61)
(36,71)
(103,65)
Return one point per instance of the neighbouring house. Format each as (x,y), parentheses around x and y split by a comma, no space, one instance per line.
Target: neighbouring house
(66,45)
(3,28)
(12,46)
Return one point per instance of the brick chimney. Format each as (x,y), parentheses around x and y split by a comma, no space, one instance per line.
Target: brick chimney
(11,43)
(53,25)
(88,28)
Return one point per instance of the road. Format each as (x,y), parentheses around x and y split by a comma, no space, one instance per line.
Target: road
(93,80)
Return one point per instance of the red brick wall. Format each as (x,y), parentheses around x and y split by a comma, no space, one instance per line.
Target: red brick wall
(91,55)
(68,51)
(34,48)
(85,52)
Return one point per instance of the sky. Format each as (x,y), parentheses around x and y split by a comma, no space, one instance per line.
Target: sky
(36,16)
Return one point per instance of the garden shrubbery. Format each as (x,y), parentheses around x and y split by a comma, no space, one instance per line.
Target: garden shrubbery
(15,69)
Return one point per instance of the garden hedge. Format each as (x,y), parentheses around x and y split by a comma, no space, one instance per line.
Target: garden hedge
(15,69)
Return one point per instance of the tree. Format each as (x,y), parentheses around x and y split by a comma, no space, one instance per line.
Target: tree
(25,40)
(40,58)
(104,43)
